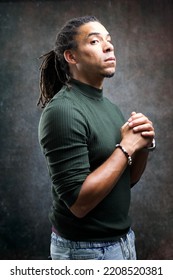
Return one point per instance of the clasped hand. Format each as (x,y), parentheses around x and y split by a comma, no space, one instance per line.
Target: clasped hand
(138,131)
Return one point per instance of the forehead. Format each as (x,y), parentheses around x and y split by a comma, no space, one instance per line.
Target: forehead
(90,28)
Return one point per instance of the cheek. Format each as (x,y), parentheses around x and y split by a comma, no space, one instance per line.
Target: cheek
(87,55)
(90,53)
(92,59)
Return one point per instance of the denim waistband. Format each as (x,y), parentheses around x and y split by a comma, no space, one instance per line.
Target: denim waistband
(65,243)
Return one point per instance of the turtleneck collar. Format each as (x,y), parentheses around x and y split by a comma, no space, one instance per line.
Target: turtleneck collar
(87,90)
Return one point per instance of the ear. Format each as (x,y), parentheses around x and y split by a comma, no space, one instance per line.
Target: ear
(70,56)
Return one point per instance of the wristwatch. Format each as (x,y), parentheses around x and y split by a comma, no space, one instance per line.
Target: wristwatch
(152,147)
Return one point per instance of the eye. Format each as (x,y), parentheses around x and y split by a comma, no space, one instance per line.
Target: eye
(109,40)
(94,42)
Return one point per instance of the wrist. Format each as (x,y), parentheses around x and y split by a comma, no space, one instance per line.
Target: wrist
(129,158)
(128,147)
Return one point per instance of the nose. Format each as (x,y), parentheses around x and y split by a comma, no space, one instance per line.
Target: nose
(108,47)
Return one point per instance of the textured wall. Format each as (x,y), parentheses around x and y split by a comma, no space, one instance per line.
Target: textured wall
(142,32)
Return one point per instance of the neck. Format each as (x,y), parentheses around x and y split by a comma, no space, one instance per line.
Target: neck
(96,82)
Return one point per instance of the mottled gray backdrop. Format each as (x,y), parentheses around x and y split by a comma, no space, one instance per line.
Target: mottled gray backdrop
(142,31)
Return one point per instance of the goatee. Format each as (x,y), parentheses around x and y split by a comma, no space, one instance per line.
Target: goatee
(108,75)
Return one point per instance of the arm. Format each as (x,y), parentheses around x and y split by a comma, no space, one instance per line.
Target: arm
(140,123)
(138,166)
(100,182)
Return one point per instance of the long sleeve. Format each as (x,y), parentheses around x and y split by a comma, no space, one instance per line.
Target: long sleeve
(63,136)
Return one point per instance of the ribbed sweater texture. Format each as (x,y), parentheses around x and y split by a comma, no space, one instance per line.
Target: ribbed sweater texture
(78,131)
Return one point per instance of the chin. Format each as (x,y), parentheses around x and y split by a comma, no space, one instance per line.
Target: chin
(108,75)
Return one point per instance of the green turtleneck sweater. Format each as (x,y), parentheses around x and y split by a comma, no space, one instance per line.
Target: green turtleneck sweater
(78,131)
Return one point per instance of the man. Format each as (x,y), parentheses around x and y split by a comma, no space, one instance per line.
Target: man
(93,155)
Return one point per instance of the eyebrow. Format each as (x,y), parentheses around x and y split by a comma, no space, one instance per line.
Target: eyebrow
(97,34)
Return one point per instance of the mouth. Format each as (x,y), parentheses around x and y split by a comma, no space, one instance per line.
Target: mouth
(110,59)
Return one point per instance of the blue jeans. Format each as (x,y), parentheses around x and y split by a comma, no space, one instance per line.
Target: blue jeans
(123,249)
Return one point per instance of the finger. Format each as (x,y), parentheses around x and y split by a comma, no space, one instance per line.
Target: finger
(138,119)
(133,113)
(134,116)
(125,125)
(143,127)
(150,134)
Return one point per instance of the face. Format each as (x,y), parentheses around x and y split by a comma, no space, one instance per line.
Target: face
(94,56)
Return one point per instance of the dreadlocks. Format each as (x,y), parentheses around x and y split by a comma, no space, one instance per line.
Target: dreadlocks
(54,70)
